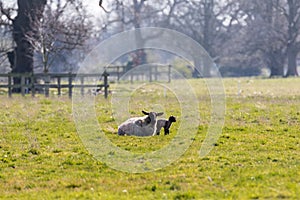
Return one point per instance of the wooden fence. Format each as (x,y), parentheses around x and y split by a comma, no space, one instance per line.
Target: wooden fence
(151,72)
(33,83)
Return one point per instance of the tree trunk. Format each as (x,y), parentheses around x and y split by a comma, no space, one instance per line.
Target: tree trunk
(208,31)
(293,32)
(276,70)
(140,41)
(276,63)
(292,62)
(24,31)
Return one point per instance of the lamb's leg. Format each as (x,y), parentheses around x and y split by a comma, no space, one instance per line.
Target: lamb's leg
(167,128)
(167,131)
(158,132)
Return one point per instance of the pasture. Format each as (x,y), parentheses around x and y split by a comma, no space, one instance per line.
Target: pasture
(256,157)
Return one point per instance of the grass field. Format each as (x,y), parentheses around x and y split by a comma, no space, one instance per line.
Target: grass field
(256,157)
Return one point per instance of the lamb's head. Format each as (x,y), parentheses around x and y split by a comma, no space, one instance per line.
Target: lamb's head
(172,119)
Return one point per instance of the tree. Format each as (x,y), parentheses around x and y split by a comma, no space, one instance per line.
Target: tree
(30,13)
(206,21)
(28,16)
(128,14)
(273,28)
(263,36)
(64,27)
(292,13)
(44,32)
(6,45)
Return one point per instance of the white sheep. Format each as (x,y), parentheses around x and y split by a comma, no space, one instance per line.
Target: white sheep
(166,124)
(140,126)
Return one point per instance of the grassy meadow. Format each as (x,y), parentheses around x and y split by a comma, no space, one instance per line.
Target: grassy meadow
(256,157)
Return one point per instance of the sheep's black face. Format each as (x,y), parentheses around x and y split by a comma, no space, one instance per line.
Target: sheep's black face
(151,118)
(147,120)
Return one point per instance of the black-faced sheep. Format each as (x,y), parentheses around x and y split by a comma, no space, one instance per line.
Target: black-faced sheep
(140,126)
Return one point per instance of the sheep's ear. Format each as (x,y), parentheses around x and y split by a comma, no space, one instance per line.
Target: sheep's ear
(159,114)
(145,113)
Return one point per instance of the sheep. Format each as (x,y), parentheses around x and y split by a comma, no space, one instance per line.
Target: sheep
(166,124)
(140,126)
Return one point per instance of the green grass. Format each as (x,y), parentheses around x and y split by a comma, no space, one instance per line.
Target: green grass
(256,157)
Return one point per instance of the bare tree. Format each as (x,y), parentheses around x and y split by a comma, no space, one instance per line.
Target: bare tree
(291,11)
(64,27)
(49,29)
(238,33)
(135,13)
(128,14)
(262,37)
(7,50)
(27,20)
(206,21)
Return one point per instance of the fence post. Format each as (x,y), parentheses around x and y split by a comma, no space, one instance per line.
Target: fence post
(118,72)
(59,86)
(9,85)
(82,85)
(32,79)
(70,85)
(150,73)
(169,73)
(131,76)
(47,82)
(23,85)
(155,72)
(105,74)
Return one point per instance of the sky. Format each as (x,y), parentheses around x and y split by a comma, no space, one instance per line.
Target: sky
(92,6)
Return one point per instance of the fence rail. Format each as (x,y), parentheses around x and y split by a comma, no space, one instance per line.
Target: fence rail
(152,73)
(30,83)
